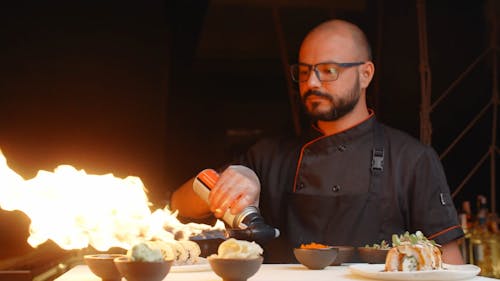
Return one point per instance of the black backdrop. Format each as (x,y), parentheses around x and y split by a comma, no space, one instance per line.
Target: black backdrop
(138,88)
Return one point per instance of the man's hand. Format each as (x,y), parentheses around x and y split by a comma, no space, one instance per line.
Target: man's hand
(238,187)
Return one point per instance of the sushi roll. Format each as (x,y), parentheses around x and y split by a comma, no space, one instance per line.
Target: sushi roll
(192,249)
(413,253)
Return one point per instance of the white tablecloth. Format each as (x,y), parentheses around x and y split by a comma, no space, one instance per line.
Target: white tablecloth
(268,272)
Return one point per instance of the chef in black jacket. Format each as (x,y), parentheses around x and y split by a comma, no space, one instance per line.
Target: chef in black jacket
(349,180)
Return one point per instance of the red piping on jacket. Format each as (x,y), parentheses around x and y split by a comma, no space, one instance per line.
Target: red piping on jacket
(443,231)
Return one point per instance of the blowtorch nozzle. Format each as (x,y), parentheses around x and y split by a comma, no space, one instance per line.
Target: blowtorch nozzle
(260,233)
(252,227)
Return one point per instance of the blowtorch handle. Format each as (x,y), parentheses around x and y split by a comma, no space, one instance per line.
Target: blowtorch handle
(204,182)
(202,185)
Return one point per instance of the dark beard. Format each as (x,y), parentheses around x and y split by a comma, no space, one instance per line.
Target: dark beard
(337,110)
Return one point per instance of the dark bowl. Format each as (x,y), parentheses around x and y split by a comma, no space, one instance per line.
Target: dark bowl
(346,254)
(142,271)
(372,255)
(235,269)
(102,265)
(208,246)
(316,258)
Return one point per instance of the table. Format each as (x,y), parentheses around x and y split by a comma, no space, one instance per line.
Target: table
(268,272)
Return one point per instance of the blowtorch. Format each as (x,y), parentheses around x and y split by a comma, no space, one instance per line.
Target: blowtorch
(247,225)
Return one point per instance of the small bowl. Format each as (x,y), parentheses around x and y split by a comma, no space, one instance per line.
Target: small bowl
(235,269)
(142,271)
(372,255)
(316,258)
(208,246)
(103,266)
(346,254)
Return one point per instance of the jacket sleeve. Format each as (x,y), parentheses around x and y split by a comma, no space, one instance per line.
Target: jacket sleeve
(432,209)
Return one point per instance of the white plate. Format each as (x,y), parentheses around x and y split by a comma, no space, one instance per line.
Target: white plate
(201,265)
(451,272)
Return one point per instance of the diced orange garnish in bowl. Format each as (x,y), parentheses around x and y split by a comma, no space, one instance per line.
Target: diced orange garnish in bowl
(314,246)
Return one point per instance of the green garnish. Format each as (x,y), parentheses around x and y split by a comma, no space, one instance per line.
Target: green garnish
(416,238)
(395,240)
(383,245)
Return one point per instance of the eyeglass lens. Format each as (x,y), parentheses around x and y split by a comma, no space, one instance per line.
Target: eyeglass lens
(323,71)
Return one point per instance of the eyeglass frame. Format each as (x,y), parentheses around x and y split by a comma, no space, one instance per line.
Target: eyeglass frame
(313,67)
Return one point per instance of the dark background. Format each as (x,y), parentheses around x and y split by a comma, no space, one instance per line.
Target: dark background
(163,89)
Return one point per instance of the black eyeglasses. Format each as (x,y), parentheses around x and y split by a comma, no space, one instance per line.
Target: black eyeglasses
(325,71)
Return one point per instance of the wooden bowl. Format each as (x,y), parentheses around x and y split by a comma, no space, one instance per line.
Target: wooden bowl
(102,265)
(208,246)
(372,255)
(142,271)
(346,254)
(316,258)
(235,269)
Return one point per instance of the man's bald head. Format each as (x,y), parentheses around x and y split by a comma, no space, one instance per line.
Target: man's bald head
(347,30)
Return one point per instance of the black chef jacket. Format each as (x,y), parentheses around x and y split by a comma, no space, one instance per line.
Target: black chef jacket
(322,189)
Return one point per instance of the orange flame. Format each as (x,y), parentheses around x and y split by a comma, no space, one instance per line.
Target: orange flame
(76,209)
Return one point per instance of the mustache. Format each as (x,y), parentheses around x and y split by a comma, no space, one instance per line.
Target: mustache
(315,93)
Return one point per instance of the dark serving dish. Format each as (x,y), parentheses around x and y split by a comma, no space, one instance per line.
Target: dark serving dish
(372,255)
(346,254)
(316,258)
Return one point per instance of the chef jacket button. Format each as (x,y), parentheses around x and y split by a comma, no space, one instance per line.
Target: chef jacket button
(336,188)
(300,185)
(342,147)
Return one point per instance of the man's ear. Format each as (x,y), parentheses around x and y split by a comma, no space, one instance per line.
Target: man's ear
(366,72)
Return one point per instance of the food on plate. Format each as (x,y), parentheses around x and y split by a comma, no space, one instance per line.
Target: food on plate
(193,252)
(382,246)
(413,252)
(238,249)
(181,252)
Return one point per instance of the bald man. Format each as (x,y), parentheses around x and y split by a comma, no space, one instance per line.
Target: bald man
(349,180)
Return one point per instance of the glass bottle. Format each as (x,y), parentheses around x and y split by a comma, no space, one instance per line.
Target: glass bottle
(481,240)
(465,218)
(495,245)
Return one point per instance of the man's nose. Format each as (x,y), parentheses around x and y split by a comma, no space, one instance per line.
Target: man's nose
(313,80)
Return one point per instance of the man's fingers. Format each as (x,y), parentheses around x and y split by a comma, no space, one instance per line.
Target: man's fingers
(241,203)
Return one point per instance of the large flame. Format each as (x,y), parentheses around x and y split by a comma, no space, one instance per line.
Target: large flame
(76,209)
